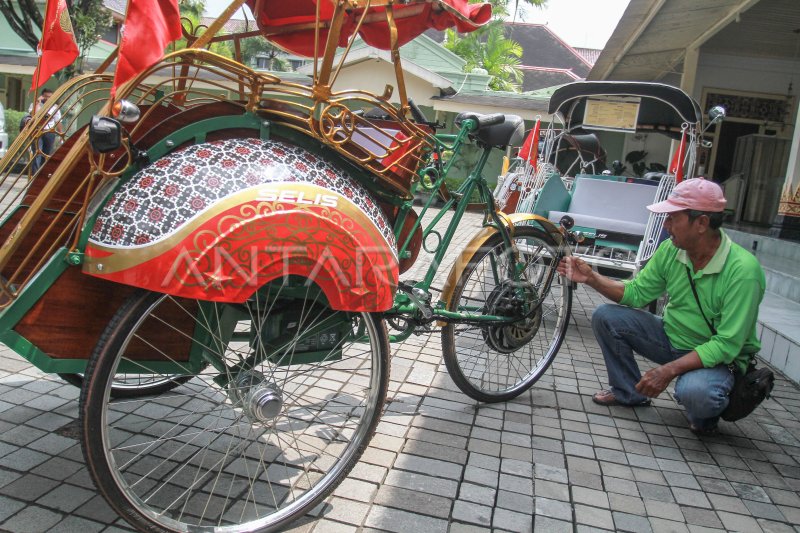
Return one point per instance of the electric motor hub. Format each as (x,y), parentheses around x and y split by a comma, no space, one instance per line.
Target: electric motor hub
(513,299)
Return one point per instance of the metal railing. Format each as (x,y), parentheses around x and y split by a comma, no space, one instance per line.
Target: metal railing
(43,209)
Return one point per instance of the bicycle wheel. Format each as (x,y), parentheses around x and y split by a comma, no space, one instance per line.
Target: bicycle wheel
(132,385)
(249,447)
(495,362)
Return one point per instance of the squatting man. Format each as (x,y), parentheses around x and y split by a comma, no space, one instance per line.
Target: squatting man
(730,285)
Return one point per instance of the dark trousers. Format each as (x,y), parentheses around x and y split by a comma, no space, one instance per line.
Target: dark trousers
(46,144)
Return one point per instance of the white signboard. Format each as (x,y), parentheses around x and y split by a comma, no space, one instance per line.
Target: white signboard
(613,113)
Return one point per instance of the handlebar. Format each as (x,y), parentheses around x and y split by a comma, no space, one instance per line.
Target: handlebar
(573,237)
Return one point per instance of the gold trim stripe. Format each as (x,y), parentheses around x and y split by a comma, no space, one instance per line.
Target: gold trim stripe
(123,258)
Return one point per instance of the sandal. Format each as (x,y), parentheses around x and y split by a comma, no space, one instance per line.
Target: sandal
(607,398)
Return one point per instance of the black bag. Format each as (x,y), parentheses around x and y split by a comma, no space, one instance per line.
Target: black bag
(24,121)
(748,391)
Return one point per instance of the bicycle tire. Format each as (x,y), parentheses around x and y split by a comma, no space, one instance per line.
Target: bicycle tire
(132,389)
(197,457)
(496,363)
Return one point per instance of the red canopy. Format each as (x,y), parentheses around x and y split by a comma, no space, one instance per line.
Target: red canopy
(290,24)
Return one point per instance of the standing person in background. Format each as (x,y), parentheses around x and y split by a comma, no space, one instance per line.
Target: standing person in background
(702,339)
(47,141)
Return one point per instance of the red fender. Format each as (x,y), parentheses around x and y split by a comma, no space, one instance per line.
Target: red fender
(218,220)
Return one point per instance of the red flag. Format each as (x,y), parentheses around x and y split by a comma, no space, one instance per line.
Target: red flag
(150,25)
(676,166)
(530,148)
(57,48)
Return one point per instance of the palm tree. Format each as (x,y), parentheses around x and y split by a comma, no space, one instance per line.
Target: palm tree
(489,49)
(191,17)
(501,58)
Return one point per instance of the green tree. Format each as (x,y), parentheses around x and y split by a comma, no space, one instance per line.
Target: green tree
(194,8)
(253,47)
(488,48)
(492,51)
(89,21)
(192,11)
(504,5)
(93,23)
(191,16)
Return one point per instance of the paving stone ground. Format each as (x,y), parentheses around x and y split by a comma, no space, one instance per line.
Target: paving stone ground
(549,461)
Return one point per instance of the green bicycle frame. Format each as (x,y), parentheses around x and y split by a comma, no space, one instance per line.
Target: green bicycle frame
(404,304)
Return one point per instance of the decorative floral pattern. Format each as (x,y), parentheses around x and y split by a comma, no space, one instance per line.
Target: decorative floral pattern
(163,197)
(790,204)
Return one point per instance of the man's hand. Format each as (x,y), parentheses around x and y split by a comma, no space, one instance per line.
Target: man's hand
(655,380)
(575,269)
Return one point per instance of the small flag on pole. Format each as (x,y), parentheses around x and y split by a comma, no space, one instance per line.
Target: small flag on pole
(57,48)
(676,166)
(530,148)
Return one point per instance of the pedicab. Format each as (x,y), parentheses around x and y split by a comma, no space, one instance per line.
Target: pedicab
(573,182)
(214,253)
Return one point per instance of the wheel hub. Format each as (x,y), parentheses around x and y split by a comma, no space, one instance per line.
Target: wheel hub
(260,399)
(512,299)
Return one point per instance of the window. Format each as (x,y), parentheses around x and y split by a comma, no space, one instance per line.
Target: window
(262,62)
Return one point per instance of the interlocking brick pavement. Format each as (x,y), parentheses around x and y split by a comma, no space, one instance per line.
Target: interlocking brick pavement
(550,460)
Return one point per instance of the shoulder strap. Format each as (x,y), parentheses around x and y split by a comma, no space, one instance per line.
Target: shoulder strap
(697,299)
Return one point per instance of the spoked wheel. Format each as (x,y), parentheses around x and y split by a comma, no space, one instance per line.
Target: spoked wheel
(498,361)
(132,385)
(289,400)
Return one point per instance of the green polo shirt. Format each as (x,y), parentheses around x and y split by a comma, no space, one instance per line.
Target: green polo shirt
(730,288)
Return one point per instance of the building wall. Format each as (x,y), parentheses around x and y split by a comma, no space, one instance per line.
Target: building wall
(746,74)
(750,75)
(374,74)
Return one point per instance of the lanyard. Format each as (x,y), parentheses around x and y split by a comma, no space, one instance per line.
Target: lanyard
(697,299)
